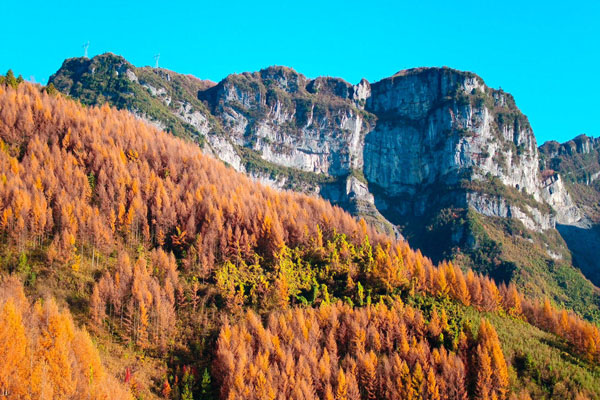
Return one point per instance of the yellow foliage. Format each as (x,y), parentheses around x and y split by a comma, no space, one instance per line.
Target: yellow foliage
(48,357)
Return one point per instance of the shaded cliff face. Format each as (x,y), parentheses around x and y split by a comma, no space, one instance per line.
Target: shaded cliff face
(438,128)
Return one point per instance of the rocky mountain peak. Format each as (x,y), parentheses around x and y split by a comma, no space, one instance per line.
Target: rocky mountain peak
(284,78)
(581,144)
(412,93)
(577,159)
(361,92)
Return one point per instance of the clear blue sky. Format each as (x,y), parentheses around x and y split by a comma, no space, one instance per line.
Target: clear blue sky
(546,53)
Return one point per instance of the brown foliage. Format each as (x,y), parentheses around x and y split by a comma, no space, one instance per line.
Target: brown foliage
(316,350)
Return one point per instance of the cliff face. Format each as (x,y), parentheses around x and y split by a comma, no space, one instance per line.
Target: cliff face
(434,124)
(578,160)
(291,121)
(437,128)
(414,136)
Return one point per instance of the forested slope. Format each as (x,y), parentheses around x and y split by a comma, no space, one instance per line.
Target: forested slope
(197,281)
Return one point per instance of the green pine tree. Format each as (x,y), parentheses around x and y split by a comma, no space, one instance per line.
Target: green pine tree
(188,384)
(205,384)
(51,89)
(10,79)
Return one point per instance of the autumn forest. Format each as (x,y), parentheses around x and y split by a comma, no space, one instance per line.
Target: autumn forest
(133,266)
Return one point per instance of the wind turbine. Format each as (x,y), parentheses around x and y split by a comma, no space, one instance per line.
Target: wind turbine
(156,57)
(85,49)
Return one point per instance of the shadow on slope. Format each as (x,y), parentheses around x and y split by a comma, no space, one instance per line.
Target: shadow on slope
(584,244)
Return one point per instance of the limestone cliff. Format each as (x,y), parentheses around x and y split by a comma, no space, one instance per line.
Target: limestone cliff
(417,138)
(576,166)
(438,128)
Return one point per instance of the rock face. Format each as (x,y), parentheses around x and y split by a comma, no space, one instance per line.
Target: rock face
(572,169)
(414,136)
(578,159)
(422,140)
(438,127)
(582,144)
(555,194)
(291,121)
(575,165)
(434,124)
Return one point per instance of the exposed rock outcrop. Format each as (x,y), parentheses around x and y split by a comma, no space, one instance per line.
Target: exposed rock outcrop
(437,124)
(411,134)
(555,194)
(290,121)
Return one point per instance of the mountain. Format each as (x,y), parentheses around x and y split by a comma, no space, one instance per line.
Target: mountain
(578,161)
(431,154)
(108,78)
(195,281)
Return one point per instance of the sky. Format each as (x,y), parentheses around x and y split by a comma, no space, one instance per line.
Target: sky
(546,53)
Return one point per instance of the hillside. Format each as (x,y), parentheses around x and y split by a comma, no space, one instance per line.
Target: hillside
(430,154)
(192,279)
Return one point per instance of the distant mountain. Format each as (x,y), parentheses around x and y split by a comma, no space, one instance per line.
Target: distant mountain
(578,162)
(432,154)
